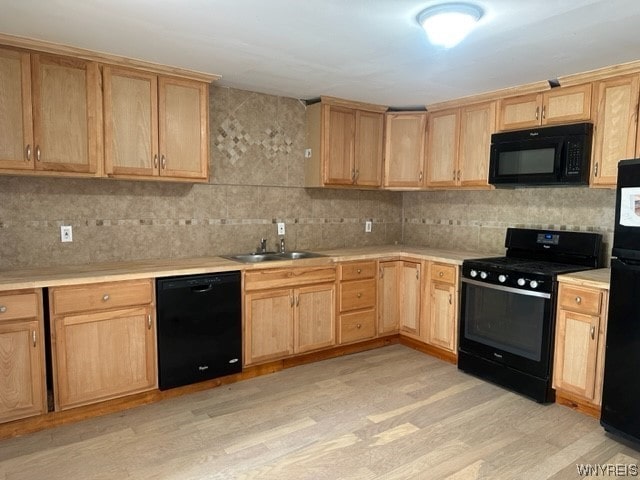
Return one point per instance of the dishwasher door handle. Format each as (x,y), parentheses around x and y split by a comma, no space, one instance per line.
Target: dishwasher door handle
(202,288)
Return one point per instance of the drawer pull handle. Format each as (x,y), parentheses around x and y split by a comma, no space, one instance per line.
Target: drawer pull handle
(578,300)
(164,162)
(359,270)
(3,309)
(593,332)
(381,272)
(359,294)
(149,321)
(449,299)
(33,337)
(297,300)
(155,161)
(27,153)
(359,325)
(291,301)
(38,156)
(105,297)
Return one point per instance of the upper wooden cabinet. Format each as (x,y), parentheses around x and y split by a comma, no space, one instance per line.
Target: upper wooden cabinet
(616,123)
(345,142)
(405,138)
(50,114)
(459,146)
(155,126)
(558,105)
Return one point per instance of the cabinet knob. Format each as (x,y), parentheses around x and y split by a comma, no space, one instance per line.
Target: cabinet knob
(3,309)
(420,177)
(359,295)
(38,153)
(105,297)
(359,325)
(27,153)
(359,271)
(164,162)
(578,300)
(155,161)
(441,274)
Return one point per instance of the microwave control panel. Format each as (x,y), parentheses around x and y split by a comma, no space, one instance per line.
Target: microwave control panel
(574,157)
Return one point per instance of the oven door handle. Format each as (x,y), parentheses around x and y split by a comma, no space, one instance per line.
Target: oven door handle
(519,291)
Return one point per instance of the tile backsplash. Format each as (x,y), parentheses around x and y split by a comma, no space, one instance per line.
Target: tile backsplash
(256,179)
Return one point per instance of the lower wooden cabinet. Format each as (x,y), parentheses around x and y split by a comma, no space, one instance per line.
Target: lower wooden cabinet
(388,306)
(581,322)
(288,311)
(409,293)
(104,343)
(22,371)
(443,308)
(357,301)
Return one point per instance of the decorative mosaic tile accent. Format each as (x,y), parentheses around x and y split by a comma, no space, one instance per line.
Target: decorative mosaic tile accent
(495,224)
(233,140)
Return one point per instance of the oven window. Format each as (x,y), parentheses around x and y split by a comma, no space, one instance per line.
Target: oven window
(527,162)
(511,322)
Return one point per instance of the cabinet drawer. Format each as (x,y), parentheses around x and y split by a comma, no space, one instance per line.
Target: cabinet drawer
(357,270)
(14,306)
(101,296)
(443,273)
(357,294)
(582,300)
(287,277)
(357,326)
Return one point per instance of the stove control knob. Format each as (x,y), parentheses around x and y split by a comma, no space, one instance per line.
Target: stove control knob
(502,278)
(521,282)
(473,273)
(483,275)
(533,284)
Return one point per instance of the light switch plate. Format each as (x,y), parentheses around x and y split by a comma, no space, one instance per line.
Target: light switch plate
(66,233)
(280,228)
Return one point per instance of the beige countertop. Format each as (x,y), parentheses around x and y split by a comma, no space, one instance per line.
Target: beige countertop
(598,278)
(131,270)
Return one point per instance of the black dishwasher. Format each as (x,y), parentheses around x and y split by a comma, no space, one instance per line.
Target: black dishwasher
(199,328)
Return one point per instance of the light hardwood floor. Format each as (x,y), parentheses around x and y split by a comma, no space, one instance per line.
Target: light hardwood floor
(390,413)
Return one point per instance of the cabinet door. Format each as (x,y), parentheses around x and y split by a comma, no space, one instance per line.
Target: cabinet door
(566,105)
(339,129)
(616,122)
(519,112)
(22,386)
(442,156)
(410,297)
(442,319)
(404,149)
(99,356)
(315,317)
(576,353)
(388,291)
(130,122)
(268,325)
(477,123)
(16,141)
(67,119)
(369,148)
(183,128)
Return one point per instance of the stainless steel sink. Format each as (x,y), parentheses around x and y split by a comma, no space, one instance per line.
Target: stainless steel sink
(257,257)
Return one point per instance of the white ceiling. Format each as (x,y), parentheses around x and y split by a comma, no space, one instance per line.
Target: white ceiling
(367,50)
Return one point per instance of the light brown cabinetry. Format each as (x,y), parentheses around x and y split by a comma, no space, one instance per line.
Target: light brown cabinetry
(357,301)
(51,114)
(579,345)
(558,105)
(615,129)
(288,311)
(443,307)
(399,287)
(155,126)
(345,141)
(103,341)
(22,377)
(404,157)
(459,146)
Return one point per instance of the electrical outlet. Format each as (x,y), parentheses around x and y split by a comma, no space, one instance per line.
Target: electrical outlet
(280,228)
(66,233)
(307,153)
(367,226)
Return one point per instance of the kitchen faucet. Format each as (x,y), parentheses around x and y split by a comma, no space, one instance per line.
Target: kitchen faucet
(263,245)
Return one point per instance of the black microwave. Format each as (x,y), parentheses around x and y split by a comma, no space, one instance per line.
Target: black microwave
(544,156)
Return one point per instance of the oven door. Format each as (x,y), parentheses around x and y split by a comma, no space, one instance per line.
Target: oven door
(506,325)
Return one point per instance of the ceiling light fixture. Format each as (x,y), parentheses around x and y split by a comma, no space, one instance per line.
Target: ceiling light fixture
(447,24)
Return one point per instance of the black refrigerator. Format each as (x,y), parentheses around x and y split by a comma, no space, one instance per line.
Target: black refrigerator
(621,388)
